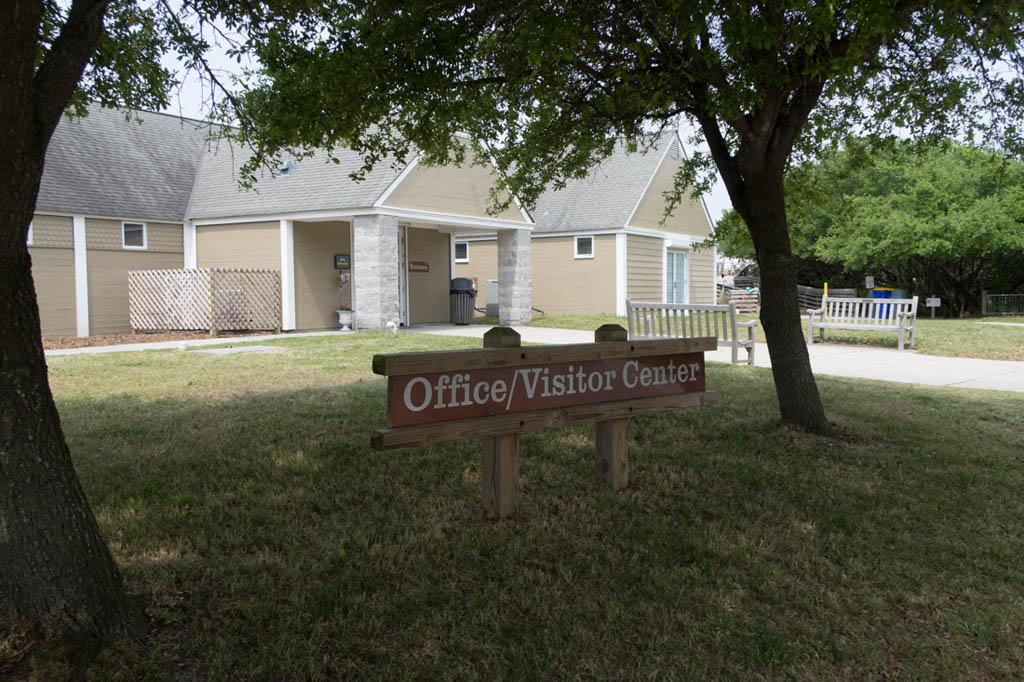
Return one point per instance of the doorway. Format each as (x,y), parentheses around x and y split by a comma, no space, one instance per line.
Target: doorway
(677,276)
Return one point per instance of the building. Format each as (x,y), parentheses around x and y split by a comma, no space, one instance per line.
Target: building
(151,191)
(144,191)
(604,239)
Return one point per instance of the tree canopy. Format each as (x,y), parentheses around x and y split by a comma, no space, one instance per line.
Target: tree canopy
(947,220)
(552,86)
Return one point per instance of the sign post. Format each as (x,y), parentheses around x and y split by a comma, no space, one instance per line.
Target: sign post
(500,463)
(496,393)
(611,442)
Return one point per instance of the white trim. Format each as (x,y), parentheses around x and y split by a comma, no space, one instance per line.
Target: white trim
(287,275)
(455,258)
(620,273)
(129,219)
(400,213)
(81,275)
(397,181)
(664,270)
(28,240)
(647,186)
(403,275)
(189,244)
(145,236)
(639,231)
(451,259)
(576,247)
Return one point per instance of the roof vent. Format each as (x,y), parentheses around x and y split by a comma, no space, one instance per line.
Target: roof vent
(286,168)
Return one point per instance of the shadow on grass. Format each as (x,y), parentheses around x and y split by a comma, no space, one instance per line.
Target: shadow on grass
(272,543)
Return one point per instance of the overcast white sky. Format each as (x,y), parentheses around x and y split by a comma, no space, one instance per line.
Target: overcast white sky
(190,100)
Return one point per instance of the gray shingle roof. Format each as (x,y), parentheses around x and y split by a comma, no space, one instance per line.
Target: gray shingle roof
(108,166)
(606,197)
(315,184)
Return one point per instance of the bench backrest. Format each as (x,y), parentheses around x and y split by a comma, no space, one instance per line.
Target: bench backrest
(864,310)
(680,320)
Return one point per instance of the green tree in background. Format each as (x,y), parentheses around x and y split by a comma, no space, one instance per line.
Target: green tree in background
(947,220)
(552,85)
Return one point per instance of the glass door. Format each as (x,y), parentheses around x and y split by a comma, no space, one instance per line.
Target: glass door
(677,277)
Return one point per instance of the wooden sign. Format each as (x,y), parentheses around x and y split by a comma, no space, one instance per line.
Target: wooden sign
(434,397)
(419,266)
(503,390)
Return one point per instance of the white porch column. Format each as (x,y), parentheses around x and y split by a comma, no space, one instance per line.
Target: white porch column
(191,256)
(375,271)
(81,276)
(514,281)
(287,276)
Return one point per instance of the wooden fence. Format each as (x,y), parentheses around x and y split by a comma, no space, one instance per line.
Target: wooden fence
(212,299)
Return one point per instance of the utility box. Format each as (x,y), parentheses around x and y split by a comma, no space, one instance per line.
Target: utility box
(491,297)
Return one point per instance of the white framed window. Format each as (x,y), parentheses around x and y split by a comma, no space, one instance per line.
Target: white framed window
(583,247)
(133,235)
(28,242)
(461,252)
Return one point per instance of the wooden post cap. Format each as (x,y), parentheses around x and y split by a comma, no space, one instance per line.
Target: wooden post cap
(610,332)
(502,337)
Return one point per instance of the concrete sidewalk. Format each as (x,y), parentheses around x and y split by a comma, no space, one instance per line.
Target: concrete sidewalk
(863,362)
(882,364)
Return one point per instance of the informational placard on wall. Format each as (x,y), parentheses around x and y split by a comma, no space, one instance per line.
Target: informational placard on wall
(419,266)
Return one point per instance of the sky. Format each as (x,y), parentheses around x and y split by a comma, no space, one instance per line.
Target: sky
(191,100)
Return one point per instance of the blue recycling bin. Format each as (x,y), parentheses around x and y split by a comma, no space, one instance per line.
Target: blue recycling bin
(882,292)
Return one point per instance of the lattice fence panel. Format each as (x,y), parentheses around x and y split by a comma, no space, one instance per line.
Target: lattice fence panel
(204,299)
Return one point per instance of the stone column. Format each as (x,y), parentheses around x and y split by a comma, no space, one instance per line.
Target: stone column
(514,277)
(375,271)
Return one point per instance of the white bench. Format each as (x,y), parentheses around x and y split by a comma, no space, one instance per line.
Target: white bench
(872,314)
(687,321)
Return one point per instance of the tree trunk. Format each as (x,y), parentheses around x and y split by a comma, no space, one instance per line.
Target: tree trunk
(795,387)
(61,594)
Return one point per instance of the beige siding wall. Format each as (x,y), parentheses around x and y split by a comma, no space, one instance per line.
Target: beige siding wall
(108,284)
(53,273)
(688,217)
(458,190)
(52,231)
(239,245)
(482,265)
(428,291)
(702,276)
(644,268)
(316,280)
(562,284)
(160,237)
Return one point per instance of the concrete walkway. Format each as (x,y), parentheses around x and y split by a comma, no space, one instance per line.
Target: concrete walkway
(883,364)
(863,362)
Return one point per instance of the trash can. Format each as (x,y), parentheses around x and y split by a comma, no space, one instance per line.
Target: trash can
(882,292)
(462,295)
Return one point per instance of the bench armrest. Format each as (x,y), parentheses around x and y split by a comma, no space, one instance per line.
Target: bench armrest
(815,311)
(752,323)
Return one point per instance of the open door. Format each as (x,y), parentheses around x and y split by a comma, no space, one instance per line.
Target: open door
(403,275)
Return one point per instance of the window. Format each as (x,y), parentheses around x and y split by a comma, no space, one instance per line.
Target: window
(133,235)
(584,247)
(461,252)
(29,240)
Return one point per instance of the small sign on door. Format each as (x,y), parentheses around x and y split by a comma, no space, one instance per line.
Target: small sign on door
(419,266)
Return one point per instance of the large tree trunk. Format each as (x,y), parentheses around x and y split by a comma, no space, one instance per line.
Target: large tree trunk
(795,387)
(61,594)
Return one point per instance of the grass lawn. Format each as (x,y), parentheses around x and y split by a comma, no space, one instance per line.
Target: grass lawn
(270,543)
(951,338)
